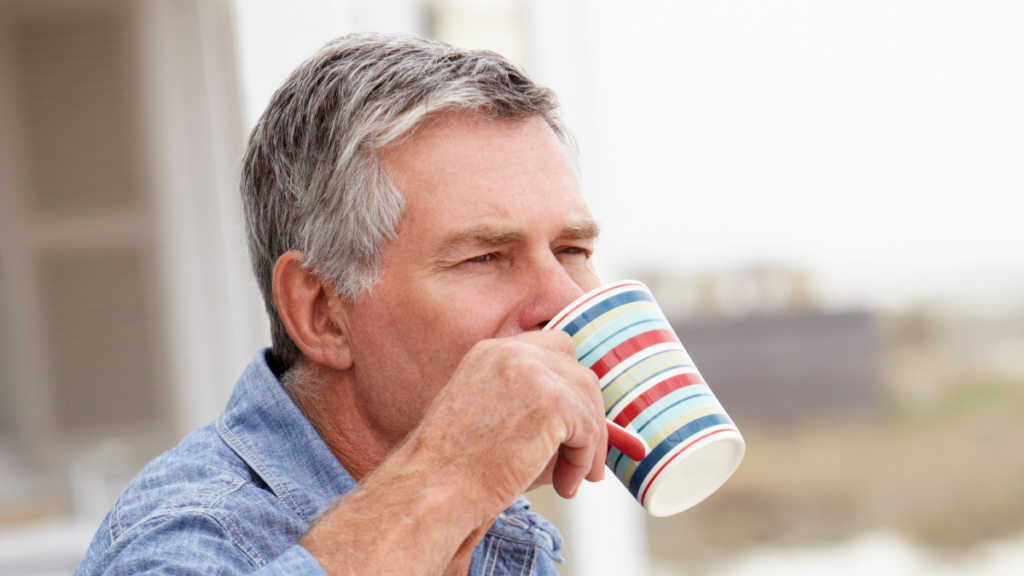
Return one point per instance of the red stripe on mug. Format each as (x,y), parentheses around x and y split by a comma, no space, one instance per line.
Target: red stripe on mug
(657,392)
(635,344)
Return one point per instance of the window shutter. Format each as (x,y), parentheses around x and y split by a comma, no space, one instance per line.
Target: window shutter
(85,223)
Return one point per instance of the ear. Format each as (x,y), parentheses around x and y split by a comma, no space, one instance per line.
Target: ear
(312,313)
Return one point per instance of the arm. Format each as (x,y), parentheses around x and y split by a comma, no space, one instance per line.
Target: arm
(517,413)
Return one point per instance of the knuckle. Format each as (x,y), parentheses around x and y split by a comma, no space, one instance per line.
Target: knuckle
(549,400)
(564,340)
(528,369)
(508,347)
(486,346)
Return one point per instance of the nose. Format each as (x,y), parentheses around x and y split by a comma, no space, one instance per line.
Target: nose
(550,288)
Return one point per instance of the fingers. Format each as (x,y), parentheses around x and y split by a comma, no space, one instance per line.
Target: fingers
(597,467)
(577,461)
(558,391)
(554,340)
(574,463)
(583,453)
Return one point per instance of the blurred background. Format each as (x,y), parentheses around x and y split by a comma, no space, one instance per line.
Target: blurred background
(826,198)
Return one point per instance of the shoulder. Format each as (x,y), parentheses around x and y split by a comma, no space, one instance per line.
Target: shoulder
(194,476)
(198,502)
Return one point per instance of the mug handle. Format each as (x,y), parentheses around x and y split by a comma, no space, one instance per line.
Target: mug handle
(627,442)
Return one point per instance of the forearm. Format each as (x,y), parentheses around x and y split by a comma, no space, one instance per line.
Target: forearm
(492,432)
(408,518)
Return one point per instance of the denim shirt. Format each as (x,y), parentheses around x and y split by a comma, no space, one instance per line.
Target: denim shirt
(236,495)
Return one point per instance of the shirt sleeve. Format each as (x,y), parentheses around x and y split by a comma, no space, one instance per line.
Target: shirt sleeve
(544,566)
(187,544)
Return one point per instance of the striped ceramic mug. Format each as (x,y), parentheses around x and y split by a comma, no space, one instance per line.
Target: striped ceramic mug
(684,444)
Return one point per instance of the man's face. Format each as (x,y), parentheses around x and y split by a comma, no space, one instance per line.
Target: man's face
(495,241)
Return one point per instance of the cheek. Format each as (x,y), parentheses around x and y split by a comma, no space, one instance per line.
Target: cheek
(426,338)
(462,326)
(586,278)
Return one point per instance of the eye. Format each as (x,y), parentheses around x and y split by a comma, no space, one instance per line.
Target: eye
(481,259)
(574,251)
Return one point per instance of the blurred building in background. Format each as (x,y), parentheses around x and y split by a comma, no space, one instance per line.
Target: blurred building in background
(767,348)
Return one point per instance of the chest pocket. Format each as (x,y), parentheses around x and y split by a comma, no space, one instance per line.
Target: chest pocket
(501,556)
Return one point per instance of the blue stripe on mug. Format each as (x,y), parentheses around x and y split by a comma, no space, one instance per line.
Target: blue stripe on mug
(605,305)
(663,418)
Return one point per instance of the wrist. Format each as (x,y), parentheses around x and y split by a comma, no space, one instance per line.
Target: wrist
(436,483)
(410,508)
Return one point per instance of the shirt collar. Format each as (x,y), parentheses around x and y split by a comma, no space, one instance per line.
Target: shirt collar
(269,432)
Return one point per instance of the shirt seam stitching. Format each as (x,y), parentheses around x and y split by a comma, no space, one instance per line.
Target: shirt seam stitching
(236,485)
(494,559)
(508,519)
(224,429)
(487,553)
(526,542)
(199,509)
(533,562)
(115,521)
(253,557)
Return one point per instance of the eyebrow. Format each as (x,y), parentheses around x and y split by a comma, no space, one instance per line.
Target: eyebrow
(486,235)
(492,236)
(582,230)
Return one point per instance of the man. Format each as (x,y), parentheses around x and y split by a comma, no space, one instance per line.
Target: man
(414,219)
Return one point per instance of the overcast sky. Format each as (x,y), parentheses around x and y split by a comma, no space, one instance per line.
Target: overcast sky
(879,144)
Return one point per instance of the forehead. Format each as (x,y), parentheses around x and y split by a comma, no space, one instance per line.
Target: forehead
(460,170)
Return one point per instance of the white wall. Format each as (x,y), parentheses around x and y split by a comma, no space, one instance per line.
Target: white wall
(215,315)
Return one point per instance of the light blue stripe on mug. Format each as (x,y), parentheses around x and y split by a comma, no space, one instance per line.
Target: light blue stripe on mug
(701,392)
(619,463)
(621,395)
(616,326)
(613,455)
(666,414)
(613,340)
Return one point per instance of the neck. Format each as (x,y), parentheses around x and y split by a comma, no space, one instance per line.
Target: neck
(323,395)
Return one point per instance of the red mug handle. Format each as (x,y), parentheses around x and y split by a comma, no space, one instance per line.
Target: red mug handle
(628,443)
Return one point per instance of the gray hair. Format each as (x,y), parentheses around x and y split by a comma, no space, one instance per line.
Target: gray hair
(311,176)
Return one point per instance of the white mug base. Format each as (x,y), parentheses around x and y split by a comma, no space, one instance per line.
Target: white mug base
(691,478)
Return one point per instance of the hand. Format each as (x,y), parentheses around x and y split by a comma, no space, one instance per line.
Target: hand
(515,410)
